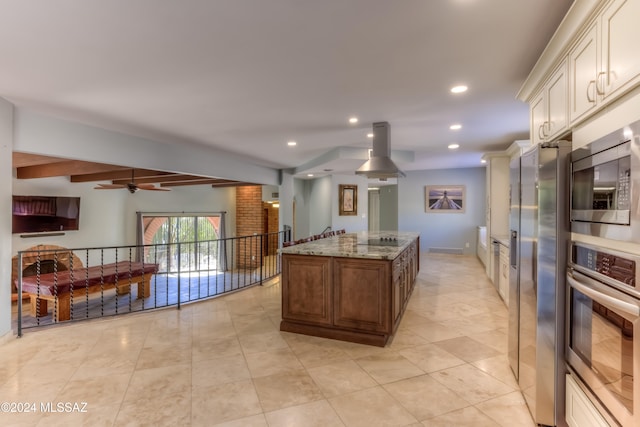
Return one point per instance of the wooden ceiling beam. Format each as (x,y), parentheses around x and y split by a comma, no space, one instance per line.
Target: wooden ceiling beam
(124,174)
(27,159)
(160,179)
(204,181)
(65,168)
(36,166)
(232,184)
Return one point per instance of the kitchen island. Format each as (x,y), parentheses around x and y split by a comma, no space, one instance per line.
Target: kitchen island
(352,287)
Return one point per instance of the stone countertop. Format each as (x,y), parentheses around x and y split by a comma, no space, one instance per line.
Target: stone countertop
(355,245)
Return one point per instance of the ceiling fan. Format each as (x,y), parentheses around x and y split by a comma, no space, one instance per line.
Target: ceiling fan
(131,186)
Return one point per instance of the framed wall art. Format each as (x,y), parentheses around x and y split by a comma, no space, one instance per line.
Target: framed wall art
(445,198)
(348,199)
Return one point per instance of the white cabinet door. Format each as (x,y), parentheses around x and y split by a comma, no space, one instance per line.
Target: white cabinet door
(538,119)
(557,96)
(584,64)
(499,195)
(549,108)
(620,46)
(580,412)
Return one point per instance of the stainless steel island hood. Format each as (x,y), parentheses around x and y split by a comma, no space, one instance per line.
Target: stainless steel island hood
(380,164)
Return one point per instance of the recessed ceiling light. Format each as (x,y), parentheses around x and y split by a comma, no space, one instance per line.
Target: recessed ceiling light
(455,127)
(292,143)
(483,161)
(309,174)
(453,146)
(370,135)
(459,89)
(353,120)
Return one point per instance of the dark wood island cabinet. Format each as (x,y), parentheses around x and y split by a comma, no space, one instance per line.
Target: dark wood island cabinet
(351,287)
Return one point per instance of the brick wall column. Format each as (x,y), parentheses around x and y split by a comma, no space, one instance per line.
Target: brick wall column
(248,222)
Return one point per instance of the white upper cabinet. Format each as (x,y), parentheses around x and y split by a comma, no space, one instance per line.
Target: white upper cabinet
(605,61)
(620,47)
(538,118)
(584,63)
(549,107)
(557,95)
(601,63)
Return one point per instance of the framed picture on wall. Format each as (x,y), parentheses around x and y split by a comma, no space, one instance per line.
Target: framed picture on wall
(445,198)
(348,199)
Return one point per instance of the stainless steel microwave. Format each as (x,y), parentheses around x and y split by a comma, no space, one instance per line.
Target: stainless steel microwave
(603,191)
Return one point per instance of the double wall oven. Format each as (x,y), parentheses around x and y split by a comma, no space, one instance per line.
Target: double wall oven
(603,327)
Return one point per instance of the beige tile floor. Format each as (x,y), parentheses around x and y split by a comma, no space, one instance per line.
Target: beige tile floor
(223,362)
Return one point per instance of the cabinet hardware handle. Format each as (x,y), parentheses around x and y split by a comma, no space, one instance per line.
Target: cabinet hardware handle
(541,131)
(512,248)
(599,86)
(589,98)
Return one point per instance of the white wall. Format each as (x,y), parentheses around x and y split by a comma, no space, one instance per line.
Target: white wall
(286,189)
(301,195)
(102,214)
(108,217)
(351,223)
(442,230)
(6,148)
(268,191)
(319,204)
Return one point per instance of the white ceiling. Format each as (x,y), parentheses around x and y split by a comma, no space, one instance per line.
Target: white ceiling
(247,76)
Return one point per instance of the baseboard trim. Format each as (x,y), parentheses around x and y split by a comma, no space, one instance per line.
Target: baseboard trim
(451,251)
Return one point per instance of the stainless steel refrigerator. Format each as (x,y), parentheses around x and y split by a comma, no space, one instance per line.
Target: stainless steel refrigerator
(539,227)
